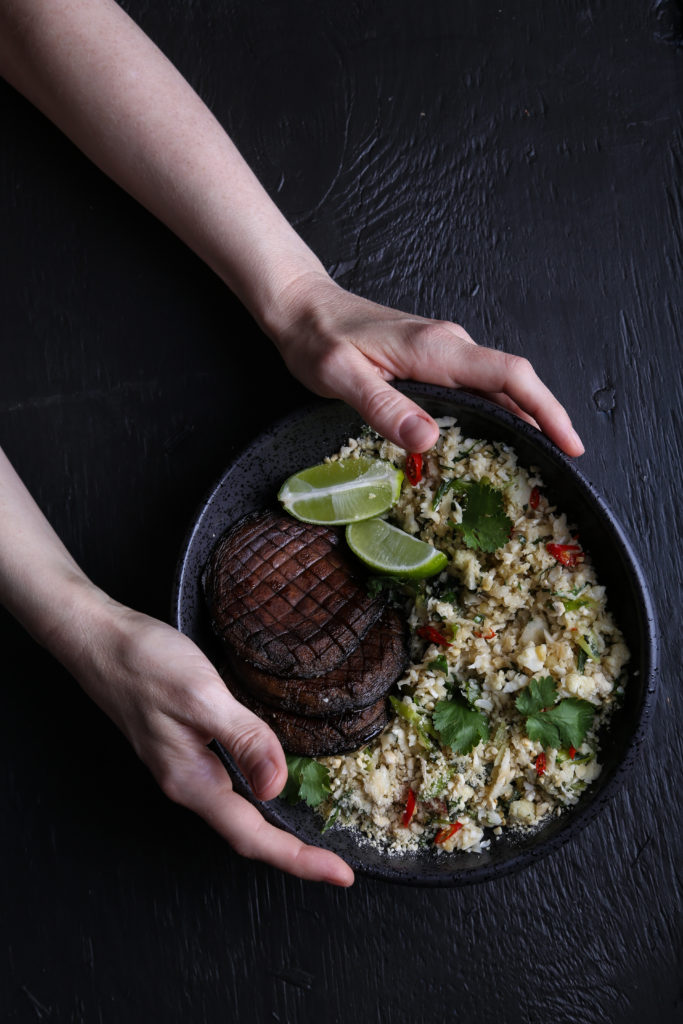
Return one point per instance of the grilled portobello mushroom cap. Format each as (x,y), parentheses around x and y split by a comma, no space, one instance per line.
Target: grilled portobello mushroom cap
(286,596)
(367,675)
(316,737)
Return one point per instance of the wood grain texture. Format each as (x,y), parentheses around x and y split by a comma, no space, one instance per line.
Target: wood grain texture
(513,166)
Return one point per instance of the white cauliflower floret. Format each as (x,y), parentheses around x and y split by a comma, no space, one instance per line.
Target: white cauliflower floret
(468,568)
(378,786)
(522,811)
(532,659)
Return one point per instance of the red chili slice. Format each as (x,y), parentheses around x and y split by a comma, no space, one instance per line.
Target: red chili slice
(572,752)
(445,833)
(485,636)
(533,498)
(414,468)
(410,808)
(433,635)
(540,764)
(566,554)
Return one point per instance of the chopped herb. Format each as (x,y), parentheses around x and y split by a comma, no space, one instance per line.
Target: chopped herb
(307,780)
(463,455)
(472,691)
(540,693)
(331,820)
(581,659)
(484,525)
(439,664)
(564,725)
(589,645)
(478,619)
(572,604)
(442,489)
(410,713)
(458,726)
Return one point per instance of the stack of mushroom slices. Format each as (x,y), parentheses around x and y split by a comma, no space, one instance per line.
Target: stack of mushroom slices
(308,649)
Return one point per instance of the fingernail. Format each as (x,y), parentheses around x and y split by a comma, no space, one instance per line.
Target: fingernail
(575,437)
(262,775)
(342,883)
(416,433)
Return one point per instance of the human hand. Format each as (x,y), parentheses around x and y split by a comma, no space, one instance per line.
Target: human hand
(170,702)
(342,346)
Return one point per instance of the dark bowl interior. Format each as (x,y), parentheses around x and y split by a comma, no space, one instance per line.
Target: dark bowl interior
(303,439)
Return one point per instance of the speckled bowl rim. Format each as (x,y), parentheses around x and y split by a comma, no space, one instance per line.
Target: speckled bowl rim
(426,867)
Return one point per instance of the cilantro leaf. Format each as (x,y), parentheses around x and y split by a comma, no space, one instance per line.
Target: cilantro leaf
(540,693)
(484,524)
(439,664)
(539,727)
(564,725)
(307,780)
(458,726)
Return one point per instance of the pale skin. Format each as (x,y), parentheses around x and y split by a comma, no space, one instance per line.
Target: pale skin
(93,72)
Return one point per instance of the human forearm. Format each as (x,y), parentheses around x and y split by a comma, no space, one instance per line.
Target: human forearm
(93,72)
(98,77)
(40,583)
(154,683)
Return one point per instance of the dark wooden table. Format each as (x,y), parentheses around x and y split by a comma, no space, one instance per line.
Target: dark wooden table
(514,166)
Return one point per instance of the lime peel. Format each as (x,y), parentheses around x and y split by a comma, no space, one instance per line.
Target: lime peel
(386,549)
(343,491)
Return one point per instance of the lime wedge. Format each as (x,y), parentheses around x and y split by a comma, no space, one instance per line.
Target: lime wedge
(342,492)
(385,548)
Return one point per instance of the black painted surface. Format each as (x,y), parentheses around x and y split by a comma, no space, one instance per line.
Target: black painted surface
(512,166)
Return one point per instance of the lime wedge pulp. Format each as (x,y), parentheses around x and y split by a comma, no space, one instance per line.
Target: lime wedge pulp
(385,548)
(339,492)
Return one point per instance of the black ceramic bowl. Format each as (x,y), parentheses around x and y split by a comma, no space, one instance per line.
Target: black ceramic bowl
(303,439)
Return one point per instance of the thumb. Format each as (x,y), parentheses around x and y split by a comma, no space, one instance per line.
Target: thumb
(255,748)
(390,413)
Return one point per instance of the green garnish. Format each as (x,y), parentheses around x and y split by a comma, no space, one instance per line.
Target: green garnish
(564,724)
(540,693)
(443,487)
(471,690)
(439,664)
(484,525)
(458,726)
(331,820)
(589,645)
(572,604)
(410,714)
(307,780)
(463,455)
(581,659)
